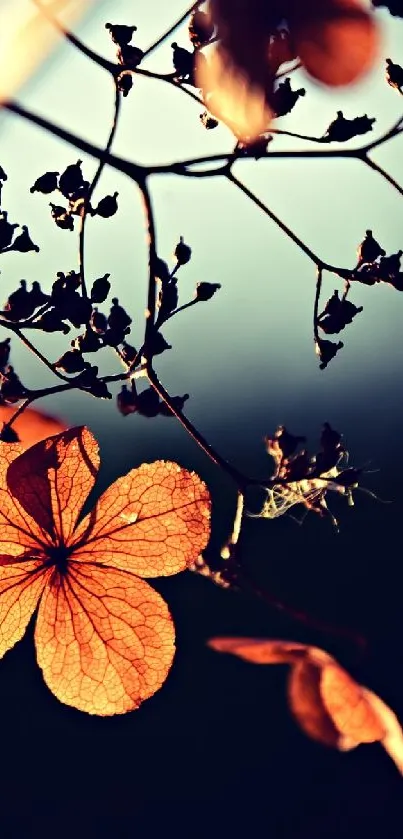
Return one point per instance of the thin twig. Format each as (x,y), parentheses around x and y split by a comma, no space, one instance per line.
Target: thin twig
(376,168)
(240,479)
(316,259)
(127,167)
(171,29)
(92,188)
(30,346)
(316,304)
(152,258)
(245,582)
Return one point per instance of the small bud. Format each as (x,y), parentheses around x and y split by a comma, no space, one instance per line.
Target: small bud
(98,322)
(71,362)
(148,403)
(107,206)
(4,353)
(88,342)
(130,56)
(8,435)
(71,179)
(89,380)
(11,388)
(127,401)
(177,402)
(100,289)
(129,353)
(208,121)
(23,243)
(156,345)
(120,34)
(125,82)
(118,318)
(205,291)
(46,184)
(182,252)
(52,322)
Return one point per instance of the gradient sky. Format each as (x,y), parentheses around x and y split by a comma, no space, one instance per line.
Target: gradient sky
(247,356)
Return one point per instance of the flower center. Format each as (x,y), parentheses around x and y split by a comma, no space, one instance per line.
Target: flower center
(59,556)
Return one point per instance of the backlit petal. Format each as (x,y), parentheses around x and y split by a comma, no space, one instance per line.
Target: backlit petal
(51,480)
(21,585)
(153,522)
(18,530)
(104,639)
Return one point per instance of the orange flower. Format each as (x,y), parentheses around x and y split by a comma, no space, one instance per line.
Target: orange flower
(104,638)
(336,40)
(326,702)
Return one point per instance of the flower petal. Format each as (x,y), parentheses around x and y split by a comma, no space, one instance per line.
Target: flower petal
(260,650)
(21,585)
(392,741)
(51,480)
(104,639)
(306,705)
(348,707)
(153,522)
(18,530)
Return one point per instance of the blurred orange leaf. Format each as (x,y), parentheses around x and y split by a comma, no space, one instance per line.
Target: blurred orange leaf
(104,638)
(32,426)
(337,40)
(328,704)
(260,651)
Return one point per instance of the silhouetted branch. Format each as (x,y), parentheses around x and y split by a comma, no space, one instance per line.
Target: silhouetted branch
(93,186)
(376,168)
(172,28)
(152,257)
(240,479)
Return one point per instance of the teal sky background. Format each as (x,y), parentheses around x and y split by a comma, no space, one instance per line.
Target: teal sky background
(246,357)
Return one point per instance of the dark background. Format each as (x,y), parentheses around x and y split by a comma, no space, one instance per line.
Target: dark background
(215,752)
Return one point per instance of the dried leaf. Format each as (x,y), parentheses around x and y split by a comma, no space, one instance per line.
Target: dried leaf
(153,521)
(308,709)
(344,700)
(260,650)
(326,702)
(392,740)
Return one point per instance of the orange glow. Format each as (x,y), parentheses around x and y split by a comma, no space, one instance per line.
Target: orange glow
(231,96)
(338,43)
(32,426)
(104,638)
(27,37)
